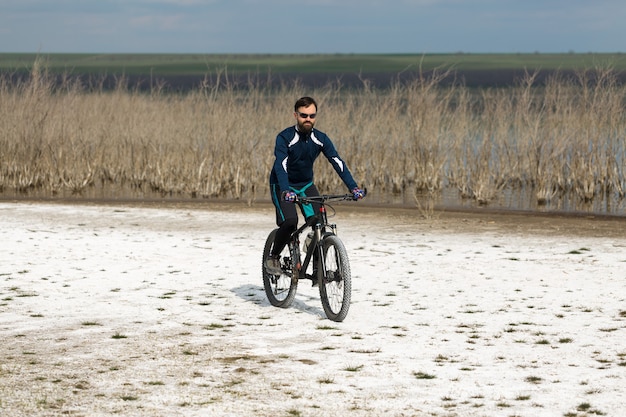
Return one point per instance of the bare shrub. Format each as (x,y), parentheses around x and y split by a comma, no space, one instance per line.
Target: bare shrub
(565,136)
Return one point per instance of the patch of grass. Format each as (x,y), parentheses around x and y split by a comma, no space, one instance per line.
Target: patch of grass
(533,379)
(81,385)
(441,358)
(353,368)
(27,294)
(578,251)
(373,350)
(587,408)
(233,359)
(472,311)
(423,375)
(168,295)
(155,383)
(608,329)
(129,398)
(326,380)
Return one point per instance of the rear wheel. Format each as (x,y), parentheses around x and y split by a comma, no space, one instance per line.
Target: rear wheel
(335,281)
(280,289)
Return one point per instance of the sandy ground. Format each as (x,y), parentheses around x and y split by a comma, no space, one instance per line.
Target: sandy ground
(160,311)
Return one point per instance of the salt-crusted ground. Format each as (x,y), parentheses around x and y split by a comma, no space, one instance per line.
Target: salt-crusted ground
(160,311)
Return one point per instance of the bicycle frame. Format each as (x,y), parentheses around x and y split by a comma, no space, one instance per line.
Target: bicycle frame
(318,223)
(331,266)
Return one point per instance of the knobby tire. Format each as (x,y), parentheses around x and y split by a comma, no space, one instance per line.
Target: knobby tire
(335,282)
(279,289)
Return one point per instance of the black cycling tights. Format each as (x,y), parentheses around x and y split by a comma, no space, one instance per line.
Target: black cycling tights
(283,234)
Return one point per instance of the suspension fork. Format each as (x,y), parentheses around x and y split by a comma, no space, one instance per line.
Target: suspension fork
(319,249)
(320,229)
(294,252)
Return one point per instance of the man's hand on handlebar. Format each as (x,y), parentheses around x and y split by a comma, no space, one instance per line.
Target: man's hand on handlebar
(289,196)
(357,193)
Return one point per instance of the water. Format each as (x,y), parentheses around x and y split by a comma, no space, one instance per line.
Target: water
(506,200)
(519,200)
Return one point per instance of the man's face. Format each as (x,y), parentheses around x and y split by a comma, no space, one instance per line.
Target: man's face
(305,118)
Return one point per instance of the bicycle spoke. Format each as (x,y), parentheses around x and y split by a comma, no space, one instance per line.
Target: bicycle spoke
(335,291)
(279,288)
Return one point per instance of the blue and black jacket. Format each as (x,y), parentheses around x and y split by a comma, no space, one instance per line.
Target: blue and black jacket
(295,154)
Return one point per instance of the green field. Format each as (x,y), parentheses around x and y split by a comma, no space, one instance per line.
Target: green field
(198,64)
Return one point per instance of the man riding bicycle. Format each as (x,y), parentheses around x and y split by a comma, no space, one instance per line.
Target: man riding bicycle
(297,147)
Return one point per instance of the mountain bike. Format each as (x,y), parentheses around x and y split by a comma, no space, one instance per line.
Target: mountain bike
(325,262)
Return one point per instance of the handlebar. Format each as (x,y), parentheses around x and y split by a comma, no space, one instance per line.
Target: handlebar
(327,197)
(324,197)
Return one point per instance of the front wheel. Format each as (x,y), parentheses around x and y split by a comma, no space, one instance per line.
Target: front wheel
(280,289)
(335,281)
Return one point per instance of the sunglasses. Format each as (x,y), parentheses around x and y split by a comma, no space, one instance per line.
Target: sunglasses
(304,115)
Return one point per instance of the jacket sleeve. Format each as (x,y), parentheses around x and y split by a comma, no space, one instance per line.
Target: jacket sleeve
(338,164)
(281,153)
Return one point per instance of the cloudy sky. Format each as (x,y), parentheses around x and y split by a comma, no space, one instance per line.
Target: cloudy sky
(318,26)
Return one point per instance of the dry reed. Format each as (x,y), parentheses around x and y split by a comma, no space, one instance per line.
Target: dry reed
(565,137)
